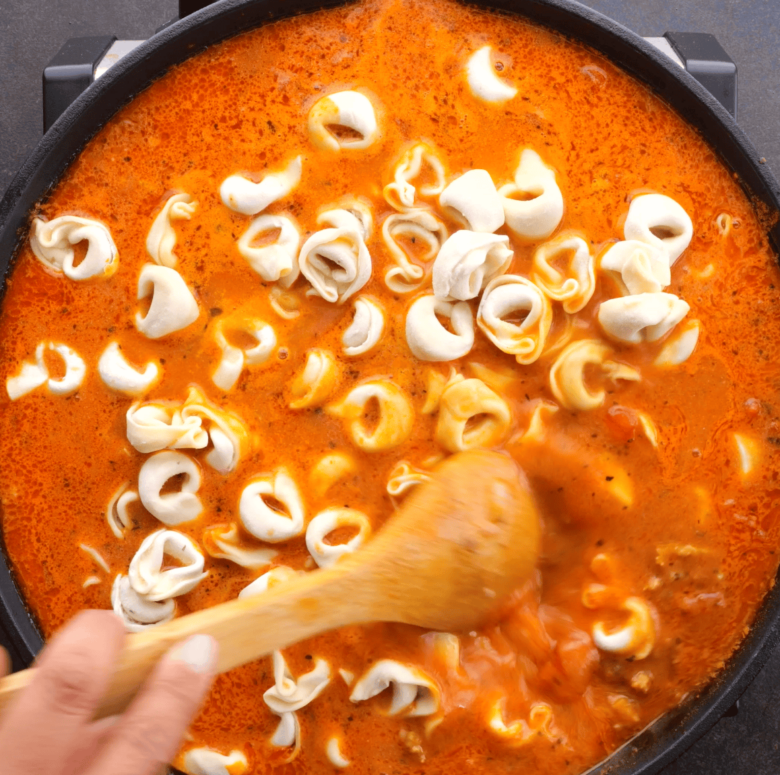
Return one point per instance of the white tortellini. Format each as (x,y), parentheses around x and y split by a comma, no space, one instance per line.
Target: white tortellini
(317,381)
(396,415)
(366,328)
(171,508)
(136,611)
(749,451)
(120,375)
(276,261)
(334,754)
(248,198)
(263,521)
(636,638)
(567,376)
(222,542)
(680,346)
(472,199)
(467,262)
(642,268)
(414,693)
(463,400)
(537,218)
(659,221)
(326,522)
(418,226)
(173,307)
(427,337)
(117,515)
(483,81)
(234,359)
(645,317)
(574,287)
(162,236)
(146,573)
(336,260)
(521,732)
(404,477)
(506,298)
(268,580)
(33,375)
(401,193)
(329,469)
(349,109)
(206,761)
(53,243)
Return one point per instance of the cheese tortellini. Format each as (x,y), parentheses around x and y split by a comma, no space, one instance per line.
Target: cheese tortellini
(234,359)
(206,761)
(162,236)
(509,296)
(573,287)
(33,375)
(349,109)
(223,542)
(172,308)
(268,580)
(248,198)
(317,381)
(420,227)
(326,522)
(136,611)
(414,693)
(473,200)
(120,375)
(467,262)
(263,521)
(403,478)
(366,329)
(171,508)
(483,81)
(659,221)
(53,243)
(471,415)
(636,638)
(427,337)
(117,515)
(521,732)
(642,268)
(275,261)
(680,346)
(643,318)
(395,415)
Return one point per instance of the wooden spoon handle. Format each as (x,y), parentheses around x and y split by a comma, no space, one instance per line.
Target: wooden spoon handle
(246,629)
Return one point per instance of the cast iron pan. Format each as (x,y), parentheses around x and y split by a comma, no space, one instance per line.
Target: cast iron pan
(673,733)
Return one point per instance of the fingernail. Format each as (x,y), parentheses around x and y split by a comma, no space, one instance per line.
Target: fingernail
(198,652)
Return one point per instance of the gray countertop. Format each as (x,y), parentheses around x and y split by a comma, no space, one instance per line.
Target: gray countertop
(32,32)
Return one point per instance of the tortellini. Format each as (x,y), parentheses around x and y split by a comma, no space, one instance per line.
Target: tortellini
(53,243)
(427,337)
(317,381)
(263,521)
(536,218)
(248,198)
(394,423)
(472,199)
(222,542)
(349,109)
(636,638)
(173,307)
(136,611)
(642,268)
(162,236)
(567,376)
(403,478)
(326,522)
(483,81)
(329,469)
(34,375)
(420,227)
(146,573)
(336,260)
(334,753)
(276,261)
(366,328)
(206,761)
(506,298)
(401,193)
(521,732)
(680,346)
(234,359)
(117,516)
(659,221)
(171,508)
(574,287)
(120,375)
(414,693)
(642,318)
(471,415)
(268,580)
(467,262)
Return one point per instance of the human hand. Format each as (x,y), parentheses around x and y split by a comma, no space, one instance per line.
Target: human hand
(49,730)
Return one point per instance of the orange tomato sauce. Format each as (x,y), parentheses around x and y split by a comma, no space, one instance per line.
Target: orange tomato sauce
(242,106)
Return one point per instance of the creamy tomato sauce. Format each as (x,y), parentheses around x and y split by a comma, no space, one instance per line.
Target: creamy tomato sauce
(660,505)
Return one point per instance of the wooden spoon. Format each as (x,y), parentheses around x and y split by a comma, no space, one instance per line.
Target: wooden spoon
(458,544)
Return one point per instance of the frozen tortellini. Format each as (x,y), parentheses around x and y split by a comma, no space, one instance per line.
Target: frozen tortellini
(659,221)
(534,218)
(420,228)
(53,243)
(234,359)
(249,198)
(366,328)
(471,415)
(269,523)
(269,580)
(507,298)
(277,260)
(405,477)
(136,611)
(394,409)
(330,469)
(635,638)
(413,692)
(640,267)
(680,346)
(574,286)
(117,511)
(171,507)
(567,376)
(162,236)
(172,308)
(427,337)
(521,732)
(224,543)
(206,761)
(345,109)
(483,81)
(324,523)
(401,194)
(34,374)
(645,317)
(467,262)
(317,381)
(121,375)
(473,200)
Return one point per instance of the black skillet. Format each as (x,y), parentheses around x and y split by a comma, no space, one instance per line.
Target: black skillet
(669,736)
